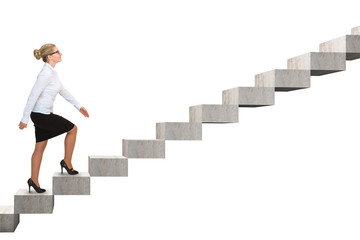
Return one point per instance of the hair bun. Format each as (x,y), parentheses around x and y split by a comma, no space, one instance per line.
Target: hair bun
(37,54)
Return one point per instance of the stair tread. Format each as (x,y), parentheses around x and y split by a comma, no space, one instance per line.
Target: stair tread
(7,209)
(65,174)
(107,157)
(25,192)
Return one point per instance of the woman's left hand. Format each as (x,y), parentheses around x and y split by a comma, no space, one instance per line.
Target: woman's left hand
(84,112)
(22,125)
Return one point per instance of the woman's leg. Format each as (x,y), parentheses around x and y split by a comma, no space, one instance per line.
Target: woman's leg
(70,140)
(36,161)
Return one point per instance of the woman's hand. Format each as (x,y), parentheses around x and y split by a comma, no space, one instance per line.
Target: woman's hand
(84,112)
(22,125)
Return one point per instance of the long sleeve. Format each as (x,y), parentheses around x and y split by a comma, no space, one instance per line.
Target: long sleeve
(43,94)
(68,97)
(40,84)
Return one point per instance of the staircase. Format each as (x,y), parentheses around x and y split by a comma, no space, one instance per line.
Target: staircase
(331,58)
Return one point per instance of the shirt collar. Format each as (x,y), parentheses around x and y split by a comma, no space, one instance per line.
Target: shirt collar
(50,67)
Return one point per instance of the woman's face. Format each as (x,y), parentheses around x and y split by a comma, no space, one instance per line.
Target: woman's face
(55,57)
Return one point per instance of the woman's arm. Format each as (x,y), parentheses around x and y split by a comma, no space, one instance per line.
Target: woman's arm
(39,86)
(68,97)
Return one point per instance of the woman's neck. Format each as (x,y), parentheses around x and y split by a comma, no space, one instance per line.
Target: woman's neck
(52,64)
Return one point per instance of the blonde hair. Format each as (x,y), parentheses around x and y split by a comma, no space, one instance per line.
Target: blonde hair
(44,51)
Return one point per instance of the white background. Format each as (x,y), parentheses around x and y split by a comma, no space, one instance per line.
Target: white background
(290,171)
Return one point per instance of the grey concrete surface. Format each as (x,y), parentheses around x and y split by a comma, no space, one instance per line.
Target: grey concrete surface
(65,184)
(108,166)
(214,113)
(319,63)
(8,219)
(143,148)
(349,44)
(284,79)
(33,202)
(249,96)
(178,131)
(355,31)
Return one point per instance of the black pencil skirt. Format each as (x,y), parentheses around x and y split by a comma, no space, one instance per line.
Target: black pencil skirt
(49,125)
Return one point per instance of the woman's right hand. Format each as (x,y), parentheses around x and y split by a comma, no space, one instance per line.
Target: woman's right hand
(84,112)
(22,125)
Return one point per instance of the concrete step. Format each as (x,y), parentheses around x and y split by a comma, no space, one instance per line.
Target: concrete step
(284,79)
(349,44)
(25,202)
(319,63)
(249,96)
(143,148)
(8,219)
(108,166)
(65,184)
(355,31)
(178,131)
(215,113)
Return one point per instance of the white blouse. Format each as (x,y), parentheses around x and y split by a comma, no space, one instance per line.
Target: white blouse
(43,93)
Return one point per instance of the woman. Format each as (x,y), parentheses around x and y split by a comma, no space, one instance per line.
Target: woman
(40,107)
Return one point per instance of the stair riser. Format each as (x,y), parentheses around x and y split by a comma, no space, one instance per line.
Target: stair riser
(284,80)
(64,184)
(214,114)
(8,220)
(249,96)
(107,166)
(33,202)
(348,44)
(144,148)
(179,131)
(319,63)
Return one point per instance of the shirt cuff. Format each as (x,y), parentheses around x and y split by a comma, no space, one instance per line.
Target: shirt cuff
(78,106)
(25,120)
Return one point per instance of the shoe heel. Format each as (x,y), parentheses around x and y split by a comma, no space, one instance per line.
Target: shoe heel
(29,184)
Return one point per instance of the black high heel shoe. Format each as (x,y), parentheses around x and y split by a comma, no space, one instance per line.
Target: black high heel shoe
(70,171)
(36,188)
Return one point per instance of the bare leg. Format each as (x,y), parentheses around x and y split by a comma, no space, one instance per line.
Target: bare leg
(36,161)
(70,140)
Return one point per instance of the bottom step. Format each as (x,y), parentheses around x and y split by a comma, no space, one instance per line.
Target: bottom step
(8,219)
